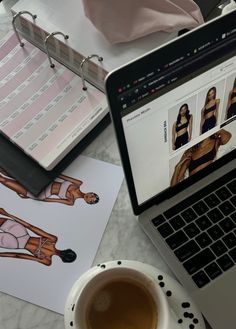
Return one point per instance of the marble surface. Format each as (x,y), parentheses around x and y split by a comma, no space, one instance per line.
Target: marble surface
(123,238)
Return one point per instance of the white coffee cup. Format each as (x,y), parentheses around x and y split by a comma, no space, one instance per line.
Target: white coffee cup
(93,289)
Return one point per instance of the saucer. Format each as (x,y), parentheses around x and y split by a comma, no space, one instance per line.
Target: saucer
(185,312)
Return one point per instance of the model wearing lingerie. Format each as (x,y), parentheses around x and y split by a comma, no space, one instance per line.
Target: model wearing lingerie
(199,156)
(209,113)
(181,139)
(182,128)
(207,157)
(210,122)
(232,108)
(209,110)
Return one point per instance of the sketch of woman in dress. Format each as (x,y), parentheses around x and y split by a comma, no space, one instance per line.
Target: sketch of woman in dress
(182,128)
(66,192)
(231,106)
(209,113)
(14,234)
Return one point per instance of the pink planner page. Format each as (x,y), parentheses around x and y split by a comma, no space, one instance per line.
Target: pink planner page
(44,111)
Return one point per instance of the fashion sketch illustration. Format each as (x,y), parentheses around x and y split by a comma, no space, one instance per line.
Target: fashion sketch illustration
(209,113)
(182,128)
(65,191)
(231,105)
(15,235)
(199,156)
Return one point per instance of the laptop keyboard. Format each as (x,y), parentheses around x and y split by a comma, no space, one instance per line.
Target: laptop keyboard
(201,230)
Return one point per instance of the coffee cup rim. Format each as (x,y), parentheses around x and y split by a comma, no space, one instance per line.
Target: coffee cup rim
(90,278)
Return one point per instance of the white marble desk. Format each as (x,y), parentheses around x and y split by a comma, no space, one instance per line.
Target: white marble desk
(123,238)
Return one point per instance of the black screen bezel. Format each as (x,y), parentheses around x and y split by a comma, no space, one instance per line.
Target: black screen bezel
(137,68)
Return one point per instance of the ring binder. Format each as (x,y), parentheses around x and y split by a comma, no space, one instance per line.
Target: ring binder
(46,46)
(54,121)
(14,27)
(100,59)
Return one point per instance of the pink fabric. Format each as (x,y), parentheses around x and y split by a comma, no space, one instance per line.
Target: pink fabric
(8,241)
(48,194)
(126,20)
(14,236)
(63,189)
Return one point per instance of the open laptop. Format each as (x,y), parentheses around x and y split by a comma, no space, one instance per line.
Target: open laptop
(174,114)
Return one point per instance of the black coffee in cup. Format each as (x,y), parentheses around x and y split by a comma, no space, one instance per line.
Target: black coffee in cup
(121,304)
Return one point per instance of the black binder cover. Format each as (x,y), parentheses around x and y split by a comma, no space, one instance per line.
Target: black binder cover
(208,7)
(28,172)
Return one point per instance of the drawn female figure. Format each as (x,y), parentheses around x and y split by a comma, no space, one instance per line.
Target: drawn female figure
(182,128)
(209,113)
(14,235)
(199,156)
(231,106)
(65,192)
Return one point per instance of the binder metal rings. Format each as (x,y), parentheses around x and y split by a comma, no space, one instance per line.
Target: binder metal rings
(100,59)
(46,45)
(14,27)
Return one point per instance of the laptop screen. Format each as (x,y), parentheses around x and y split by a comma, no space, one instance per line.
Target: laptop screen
(174,110)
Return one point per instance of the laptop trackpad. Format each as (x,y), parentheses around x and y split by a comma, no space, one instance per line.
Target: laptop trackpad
(217,301)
